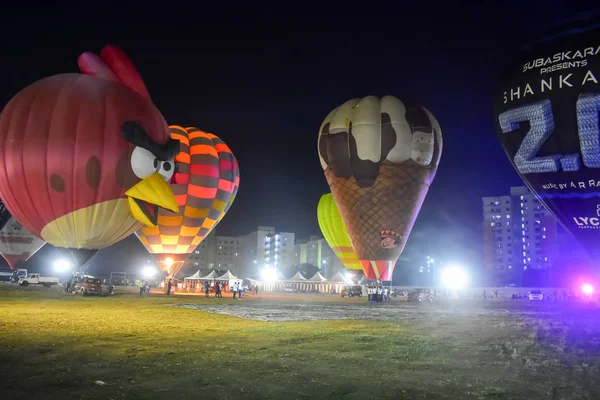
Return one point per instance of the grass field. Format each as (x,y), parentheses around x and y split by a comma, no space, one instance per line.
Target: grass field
(55,346)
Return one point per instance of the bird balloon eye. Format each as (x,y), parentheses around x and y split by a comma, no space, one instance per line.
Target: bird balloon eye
(166,169)
(143,163)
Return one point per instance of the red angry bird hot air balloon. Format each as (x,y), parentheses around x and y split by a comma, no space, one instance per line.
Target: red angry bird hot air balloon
(86,156)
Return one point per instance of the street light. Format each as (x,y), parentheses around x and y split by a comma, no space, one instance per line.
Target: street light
(269,274)
(62,265)
(587,289)
(149,271)
(454,277)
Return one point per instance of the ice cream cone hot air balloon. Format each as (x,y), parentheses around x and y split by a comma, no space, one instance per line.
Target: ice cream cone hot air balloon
(82,155)
(335,233)
(380,157)
(205,181)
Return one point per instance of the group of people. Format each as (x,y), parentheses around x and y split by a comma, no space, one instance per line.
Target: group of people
(378,294)
(237,289)
(144,288)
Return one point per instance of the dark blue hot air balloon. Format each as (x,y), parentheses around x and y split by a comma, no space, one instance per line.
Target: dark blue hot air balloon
(546,115)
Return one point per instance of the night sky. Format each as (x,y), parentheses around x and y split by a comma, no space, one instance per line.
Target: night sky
(263,79)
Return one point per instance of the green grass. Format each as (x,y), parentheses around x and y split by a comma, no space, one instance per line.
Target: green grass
(55,347)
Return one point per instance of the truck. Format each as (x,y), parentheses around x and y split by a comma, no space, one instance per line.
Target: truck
(36,279)
(5,276)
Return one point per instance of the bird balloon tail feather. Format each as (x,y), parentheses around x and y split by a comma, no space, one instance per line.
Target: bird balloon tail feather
(122,66)
(90,64)
(113,65)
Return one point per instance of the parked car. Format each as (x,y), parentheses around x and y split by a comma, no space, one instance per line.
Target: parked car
(420,295)
(351,291)
(536,295)
(88,286)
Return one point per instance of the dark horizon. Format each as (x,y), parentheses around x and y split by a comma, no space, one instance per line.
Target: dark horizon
(264,79)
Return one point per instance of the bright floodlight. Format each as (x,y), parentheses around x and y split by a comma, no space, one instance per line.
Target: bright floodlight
(169,261)
(269,274)
(62,265)
(587,289)
(454,277)
(348,277)
(148,271)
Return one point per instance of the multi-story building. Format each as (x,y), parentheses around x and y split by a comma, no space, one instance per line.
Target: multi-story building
(228,250)
(519,234)
(215,252)
(204,257)
(265,248)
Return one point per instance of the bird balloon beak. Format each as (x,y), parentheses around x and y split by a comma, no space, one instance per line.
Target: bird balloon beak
(149,194)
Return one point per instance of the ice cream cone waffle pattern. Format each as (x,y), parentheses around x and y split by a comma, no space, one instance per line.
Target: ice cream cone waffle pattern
(205,183)
(379,157)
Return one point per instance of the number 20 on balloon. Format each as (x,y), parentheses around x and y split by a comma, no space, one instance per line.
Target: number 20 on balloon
(541,122)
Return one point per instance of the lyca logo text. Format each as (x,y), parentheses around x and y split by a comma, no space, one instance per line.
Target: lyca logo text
(589,222)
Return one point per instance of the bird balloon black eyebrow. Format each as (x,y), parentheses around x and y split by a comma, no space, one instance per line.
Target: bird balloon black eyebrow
(135,134)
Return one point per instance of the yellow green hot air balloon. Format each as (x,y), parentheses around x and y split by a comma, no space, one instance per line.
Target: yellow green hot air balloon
(335,232)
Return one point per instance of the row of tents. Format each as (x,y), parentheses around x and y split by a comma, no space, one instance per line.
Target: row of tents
(317,282)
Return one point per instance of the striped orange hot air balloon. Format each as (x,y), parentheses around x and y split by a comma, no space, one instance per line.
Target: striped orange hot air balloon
(205,183)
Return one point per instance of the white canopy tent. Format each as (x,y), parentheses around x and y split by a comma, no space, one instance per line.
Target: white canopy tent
(317,283)
(337,278)
(210,277)
(336,283)
(297,278)
(195,276)
(317,278)
(226,276)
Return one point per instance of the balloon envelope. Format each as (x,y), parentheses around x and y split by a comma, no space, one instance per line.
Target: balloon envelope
(17,243)
(335,233)
(205,184)
(546,117)
(67,166)
(379,158)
